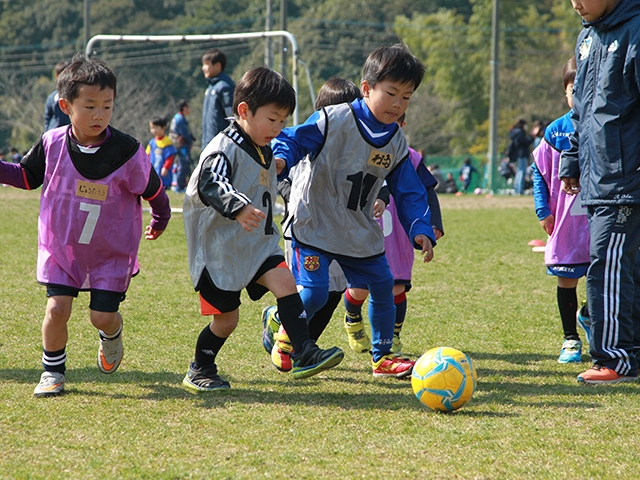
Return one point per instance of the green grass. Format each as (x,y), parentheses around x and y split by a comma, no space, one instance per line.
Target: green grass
(485,293)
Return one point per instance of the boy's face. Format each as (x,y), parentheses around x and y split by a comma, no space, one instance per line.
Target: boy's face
(387,100)
(210,70)
(157,130)
(569,93)
(265,124)
(592,10)
(90,113)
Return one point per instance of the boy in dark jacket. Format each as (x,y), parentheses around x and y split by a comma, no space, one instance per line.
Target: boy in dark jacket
(604,162)
(218,98)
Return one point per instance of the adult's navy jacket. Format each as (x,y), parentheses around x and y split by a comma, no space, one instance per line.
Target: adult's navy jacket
(605,148)
(522,143)
(217,106)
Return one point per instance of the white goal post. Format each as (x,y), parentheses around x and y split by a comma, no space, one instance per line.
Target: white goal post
(204,38)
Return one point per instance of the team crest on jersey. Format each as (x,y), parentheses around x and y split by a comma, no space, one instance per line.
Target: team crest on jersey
(380,159)
(311,263)
(584,48)
(93,191)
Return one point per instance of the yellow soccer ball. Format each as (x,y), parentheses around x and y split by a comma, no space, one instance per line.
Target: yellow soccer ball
(444,379)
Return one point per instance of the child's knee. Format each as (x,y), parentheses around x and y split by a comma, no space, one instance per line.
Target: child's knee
(58,310)
(224,324)
(105,321)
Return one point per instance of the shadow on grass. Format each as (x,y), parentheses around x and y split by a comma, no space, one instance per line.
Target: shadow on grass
(515,358)
(515,387)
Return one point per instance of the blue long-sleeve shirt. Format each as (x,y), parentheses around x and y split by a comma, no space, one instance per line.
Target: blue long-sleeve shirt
(295,143)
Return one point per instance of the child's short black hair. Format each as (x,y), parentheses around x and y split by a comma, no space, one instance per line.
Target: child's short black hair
(158,121)
(182,104)
(569,72)
(337,90)
(262,86)
(214,56)
(84,71)
(393,63)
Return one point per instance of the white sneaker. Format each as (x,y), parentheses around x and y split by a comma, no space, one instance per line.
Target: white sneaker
(110,354)
(51,384)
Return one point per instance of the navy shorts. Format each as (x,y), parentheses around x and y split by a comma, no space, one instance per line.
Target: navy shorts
(568,271)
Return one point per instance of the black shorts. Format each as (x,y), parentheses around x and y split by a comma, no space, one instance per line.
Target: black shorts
(227,301)
(101,300)
(406,283)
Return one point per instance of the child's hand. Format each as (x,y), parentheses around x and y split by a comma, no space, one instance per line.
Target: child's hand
(438,233)
(548,224)
(378,208)
(427,248)
(151,233)
(280,164)
(164,172)
(250,217)
(570,186)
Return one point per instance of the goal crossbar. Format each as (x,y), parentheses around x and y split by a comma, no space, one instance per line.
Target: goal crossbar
(207,37)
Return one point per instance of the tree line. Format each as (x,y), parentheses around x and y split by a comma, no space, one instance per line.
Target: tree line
(449,112)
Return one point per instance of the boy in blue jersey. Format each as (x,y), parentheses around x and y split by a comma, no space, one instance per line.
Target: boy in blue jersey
(604,164)
(161,150)
(352,149)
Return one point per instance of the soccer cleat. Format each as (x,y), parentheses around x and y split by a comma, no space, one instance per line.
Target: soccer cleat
(110,354)
(270,325)
(396,345)
(282,350)
(204,379)
(51,384)
(582,316)
(313,360)
(600,374)
(571,352)
(392,366)
(358,338)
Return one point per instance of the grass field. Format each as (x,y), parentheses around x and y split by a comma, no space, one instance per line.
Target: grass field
(485,293)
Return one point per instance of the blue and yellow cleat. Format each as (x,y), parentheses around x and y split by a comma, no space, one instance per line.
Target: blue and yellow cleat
(270,325)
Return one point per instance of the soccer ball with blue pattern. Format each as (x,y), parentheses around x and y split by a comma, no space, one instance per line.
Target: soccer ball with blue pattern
(444,379)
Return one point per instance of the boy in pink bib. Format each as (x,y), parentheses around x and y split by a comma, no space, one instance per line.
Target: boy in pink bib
(90,223)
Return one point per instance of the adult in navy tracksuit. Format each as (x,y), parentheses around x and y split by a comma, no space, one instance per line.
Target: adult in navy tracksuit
(604,162)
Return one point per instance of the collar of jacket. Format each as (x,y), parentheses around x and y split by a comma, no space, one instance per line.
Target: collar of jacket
(622,12)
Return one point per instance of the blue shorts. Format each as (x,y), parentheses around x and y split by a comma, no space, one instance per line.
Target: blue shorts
(310,268)
(568,271)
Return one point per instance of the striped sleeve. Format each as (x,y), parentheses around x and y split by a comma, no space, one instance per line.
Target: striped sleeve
(215,188)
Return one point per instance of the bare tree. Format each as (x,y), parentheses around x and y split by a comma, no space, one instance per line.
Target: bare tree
(22,114)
